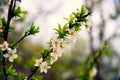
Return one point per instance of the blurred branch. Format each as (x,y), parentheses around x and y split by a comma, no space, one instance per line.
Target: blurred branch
(10,16)
(29,76)
(5,33)
(91,5)
(32,73)
(117,10)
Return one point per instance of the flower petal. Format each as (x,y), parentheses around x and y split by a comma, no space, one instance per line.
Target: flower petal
(41,70)
(45,70)
(14,55)
(36,64)
(6,55)
(14,51)
(53,59)
(11,59)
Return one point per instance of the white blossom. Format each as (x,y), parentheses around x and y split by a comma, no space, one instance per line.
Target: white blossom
(68,40)
(4,46)
(72,32)
(93,72)
(1,30)
(39,62)
(56,52)
(53,59)
(55,43)
(44,67)
(62,46)
(11,54)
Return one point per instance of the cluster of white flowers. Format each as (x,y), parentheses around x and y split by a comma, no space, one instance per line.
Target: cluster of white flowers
(57,50)
(9,52)
(57,46)
(71,38)
(42,64)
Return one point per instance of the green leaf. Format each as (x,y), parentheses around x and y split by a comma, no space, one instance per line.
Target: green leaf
(83,10)
(17,12)
(33,30)
(46,52)
(66,19)
(0,50)
(62,31)
(21,76)
(71,19)
(77,28)
(4,22)
(11,72)
(11,28)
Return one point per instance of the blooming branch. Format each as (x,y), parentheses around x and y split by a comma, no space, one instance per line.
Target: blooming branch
(66,35)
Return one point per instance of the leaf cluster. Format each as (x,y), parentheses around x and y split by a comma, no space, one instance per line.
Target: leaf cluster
(4,24)
(32,30)
(76,20)
(62,31)
(45,52)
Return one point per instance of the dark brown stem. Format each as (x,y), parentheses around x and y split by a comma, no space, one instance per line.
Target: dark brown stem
(35,70)
(3,66)
(5,33)
(20,40)
(32,73)
(10,16)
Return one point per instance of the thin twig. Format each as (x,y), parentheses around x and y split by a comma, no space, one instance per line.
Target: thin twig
(20,40)
(32,73)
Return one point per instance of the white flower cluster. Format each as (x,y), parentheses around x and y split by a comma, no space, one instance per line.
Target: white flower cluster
(9,52)
(57,46)
(71,38)
(42,64)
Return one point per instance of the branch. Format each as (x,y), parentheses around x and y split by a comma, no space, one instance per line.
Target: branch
(32,73)
(10,16)
(3,67)
(35,70)
(5,33)
(20,39)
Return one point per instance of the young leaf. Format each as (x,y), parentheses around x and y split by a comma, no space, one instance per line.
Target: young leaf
(62,31)
(11,72)
(71,19)
(46,52)
(17,12)
(83,10)
(4,22)
(33,30)
(21,76)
